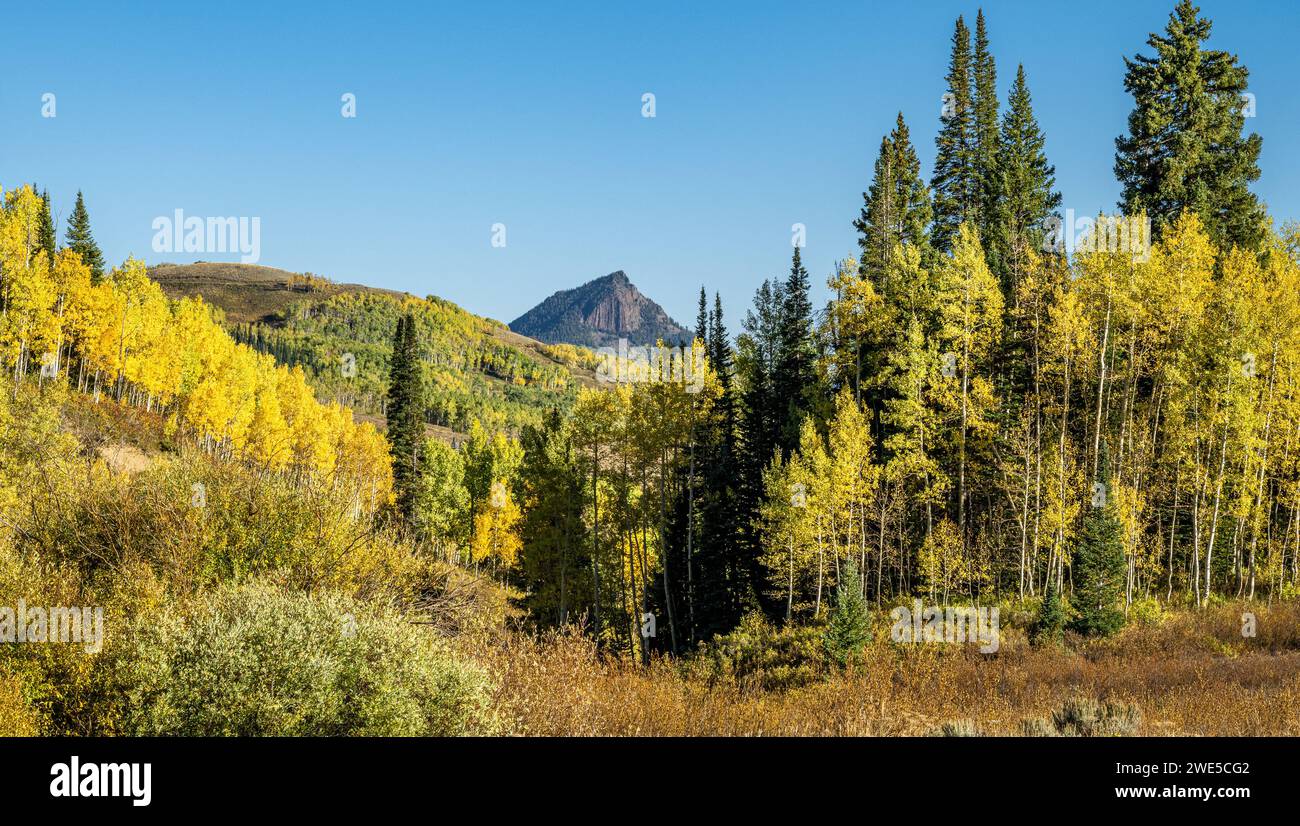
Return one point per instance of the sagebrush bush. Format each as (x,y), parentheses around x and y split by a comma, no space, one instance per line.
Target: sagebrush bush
(254,659)
(959,728)
(1086,717)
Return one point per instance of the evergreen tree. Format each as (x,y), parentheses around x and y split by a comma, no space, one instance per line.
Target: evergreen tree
(849,627)
(1050,620)
(1184,149)
(725,564)
(895,210)
(985,124)
(719,346)
(1025,185)
(554,565)
(45,229)
(1099,561)
(702,318)
(759,419)
(794,378)
(955,179)
(82,241)
(405,413)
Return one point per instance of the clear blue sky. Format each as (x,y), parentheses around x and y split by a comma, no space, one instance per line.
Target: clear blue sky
(529,114)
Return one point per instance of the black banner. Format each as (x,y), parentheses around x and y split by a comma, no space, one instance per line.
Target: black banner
(143,777)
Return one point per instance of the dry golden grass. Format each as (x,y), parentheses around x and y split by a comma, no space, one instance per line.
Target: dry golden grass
(1192,675)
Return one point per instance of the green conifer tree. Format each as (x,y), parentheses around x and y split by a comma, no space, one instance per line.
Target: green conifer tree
(47,233)
(1184,149)
(1050,620)
(895,210)
(1099,561)
(955,180)
(849,627)
(82,241)
(794,379)
(405,414)
(986,139)
(1026,188)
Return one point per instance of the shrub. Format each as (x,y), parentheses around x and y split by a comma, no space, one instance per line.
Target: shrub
(1086,717)
(1147,611)
(1037,727)
(758,656)
(256,660)
(17,717)
(958,728)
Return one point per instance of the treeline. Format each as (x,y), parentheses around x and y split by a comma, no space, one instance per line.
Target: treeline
(980,413)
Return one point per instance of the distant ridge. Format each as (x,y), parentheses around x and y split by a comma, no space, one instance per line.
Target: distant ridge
(598,314)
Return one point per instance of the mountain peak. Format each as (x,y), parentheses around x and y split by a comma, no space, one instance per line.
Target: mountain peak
(617,278)
(598,314)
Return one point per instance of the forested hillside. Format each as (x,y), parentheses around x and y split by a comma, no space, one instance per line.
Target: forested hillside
(339,334)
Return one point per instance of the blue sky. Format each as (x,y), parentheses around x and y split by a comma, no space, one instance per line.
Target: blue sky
(529,114)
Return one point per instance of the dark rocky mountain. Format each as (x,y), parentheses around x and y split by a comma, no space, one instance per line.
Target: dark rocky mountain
(598,314)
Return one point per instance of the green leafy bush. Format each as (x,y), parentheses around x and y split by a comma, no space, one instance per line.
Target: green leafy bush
(253,659)
(758,656)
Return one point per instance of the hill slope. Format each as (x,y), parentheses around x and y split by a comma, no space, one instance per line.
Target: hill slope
(598,314)
(474,367)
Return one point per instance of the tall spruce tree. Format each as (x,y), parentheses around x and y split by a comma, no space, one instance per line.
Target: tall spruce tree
(715,562)
(955,183)
(759,419)
(1026,187)
(1184,149)
(719,347)
(46,231)
(986,139)
(1099,560)
(794,378)
(405,414)
(896,208)
(82,241)
(702,317)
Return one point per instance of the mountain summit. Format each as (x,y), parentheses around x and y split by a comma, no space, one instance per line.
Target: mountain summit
(598,314)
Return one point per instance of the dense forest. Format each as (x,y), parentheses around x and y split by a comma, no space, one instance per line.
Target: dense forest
(1089,435)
